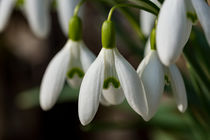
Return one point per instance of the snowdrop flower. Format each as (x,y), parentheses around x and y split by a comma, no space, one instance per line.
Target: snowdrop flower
(69,63)
(152,73)
(108,80)
(65,10)
(6,8)
(36,11)
(173,30)
(147,19)
(174,26)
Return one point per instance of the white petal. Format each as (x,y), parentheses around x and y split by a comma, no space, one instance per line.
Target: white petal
(113,96)
(6,8)
(151,71)
(90,90)
(178,87)
(37,12)
(74,82)
(54,78)
(203,11)
(173,30)
(86,56)
(65,12)
(147,20)
(131,85)
(103,101)
(147,48)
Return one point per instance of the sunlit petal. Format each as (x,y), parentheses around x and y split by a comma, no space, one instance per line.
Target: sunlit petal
(178,87)
(173,30)
(131,85)
(54,78)
(90,90)
(151,72)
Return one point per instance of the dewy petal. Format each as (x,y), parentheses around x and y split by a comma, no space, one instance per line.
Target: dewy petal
(147,20)
(6,8)
(131,85)
(86,56)
(113,96)
(90,90)
(54,78)
(178,87)
(151,71)
(173,30)
(203,11)
(65,12)
(37,12)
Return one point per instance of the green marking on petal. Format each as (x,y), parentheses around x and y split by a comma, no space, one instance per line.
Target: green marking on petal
(192,16)
(110,80)
(73,71)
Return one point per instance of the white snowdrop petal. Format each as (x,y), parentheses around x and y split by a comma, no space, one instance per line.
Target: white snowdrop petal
(65,10)
(151,72)
(147,21)
(103,101)
(173,30)
(74,82)
(37,12)
(203,11)
(6,8)
(54,78)
(90,90)
(113,96)
(86,56)
(131,85)
(178,87)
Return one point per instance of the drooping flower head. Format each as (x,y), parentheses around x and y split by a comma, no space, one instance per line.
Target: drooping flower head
(108,80)
(153,72)
(174,26)
(70,63)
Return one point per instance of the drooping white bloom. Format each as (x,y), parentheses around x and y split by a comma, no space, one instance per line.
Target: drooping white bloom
(6,8)
(147,20)
(152,73)
(203,12)
(37,13)
(65,10)
(173,30)
(108,80)
(69,63)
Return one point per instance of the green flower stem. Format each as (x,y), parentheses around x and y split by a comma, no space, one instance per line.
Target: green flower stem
(76,9)
(153,39)
(143,6)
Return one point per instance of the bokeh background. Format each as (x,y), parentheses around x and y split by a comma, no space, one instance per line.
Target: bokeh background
(24,58)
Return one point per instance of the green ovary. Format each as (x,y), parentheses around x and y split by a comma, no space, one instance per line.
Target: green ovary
(192,16)
(111,80)
(73,71)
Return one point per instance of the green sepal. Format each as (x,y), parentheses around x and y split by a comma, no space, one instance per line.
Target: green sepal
(108,35)
(75,28)
(111,80)
(73,71)
(192,16)
(153,39)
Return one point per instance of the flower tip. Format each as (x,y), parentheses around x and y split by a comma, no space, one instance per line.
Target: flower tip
(182,108)
(44,106)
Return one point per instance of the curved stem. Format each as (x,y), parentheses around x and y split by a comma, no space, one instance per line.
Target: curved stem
(143,7)
(76,10)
